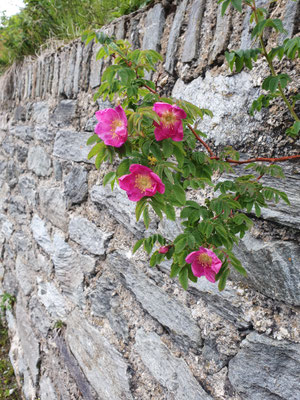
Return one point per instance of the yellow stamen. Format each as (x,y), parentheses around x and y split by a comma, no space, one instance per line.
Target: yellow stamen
(143,182)
(116,123)
(152,160)
(168,118)
(205,260)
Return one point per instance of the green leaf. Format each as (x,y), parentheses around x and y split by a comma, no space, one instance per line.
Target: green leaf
(224,7)
(137,245)
(183,277)
(146,217)
(170,212)
(167,148)
(223,279)
(109,177)
(123,168)
(179,194)
(93,139)
(140,205)
(175,268)
(96,149)
(180,244)
(237,4)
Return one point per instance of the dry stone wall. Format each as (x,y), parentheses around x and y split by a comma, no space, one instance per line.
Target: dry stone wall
(91,321)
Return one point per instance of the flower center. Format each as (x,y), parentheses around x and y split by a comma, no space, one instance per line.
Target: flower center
(168,118)
(143,182)
(116,123)
(205,260)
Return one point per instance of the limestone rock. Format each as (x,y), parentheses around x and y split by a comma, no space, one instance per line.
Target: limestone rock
(266,369)
(170,313)
(53,206)
(173,37)
(40,234)
(192,34)
(76,186)
(118,205)
(88,235)
(71,145)
(52,299)
(171,372)
(154,27)
(105,368)
(39,161)
(64,113)
(273,268)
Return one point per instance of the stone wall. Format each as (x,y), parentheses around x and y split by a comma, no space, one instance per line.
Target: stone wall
(91,321)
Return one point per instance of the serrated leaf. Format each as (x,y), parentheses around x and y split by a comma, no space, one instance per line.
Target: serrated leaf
(140,207)
(93,139)
(223,279)
(108,177)
(96,149)
(137,245)
(175,268)
(146,217)
(184,277)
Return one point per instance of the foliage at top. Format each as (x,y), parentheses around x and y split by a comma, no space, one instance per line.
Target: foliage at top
(41,20)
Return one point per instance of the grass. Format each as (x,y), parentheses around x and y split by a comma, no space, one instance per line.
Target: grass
(8,385)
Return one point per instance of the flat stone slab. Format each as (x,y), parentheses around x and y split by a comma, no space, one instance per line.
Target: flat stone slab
(154,28)
(103,365)
(71,146)
(88,235)
(265,368)
(39,161)
(191,42)
(170,371)
(167,311)
(273,267)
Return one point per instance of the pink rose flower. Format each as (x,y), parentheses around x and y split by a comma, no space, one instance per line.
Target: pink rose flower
(163,249)
(204,262)
(170,122)
(141,182)
(112,126)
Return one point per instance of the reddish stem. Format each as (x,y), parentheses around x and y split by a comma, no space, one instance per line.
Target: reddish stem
(200,140)
(264,159)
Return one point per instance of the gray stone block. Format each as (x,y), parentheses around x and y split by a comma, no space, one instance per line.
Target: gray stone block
(271,372)
(77,69)
(22,153)
(105,303)
(191,41)
(171,55)
(70,72)
(27,188)
(23,132)
(221,36)
(71,146)
(119,206)
(70,268)
(40,112)
(273,268)
(96,67)
(44,134)
(52,299)
(228,97)
(47,390)
(105,368)
(154,28)
(170,371)
(64,113)
(39,316)
(30,344)
(53,206)
(88,235)
(39,161)
(24,276)
(76,186)
(40,234)
(156,301)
